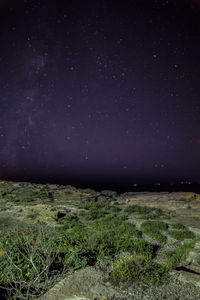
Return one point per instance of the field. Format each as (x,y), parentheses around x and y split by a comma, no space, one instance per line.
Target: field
(49,233)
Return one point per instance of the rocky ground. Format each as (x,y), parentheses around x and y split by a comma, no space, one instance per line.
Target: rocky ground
(26,203)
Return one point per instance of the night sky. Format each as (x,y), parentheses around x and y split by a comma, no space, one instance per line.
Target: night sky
(100,91)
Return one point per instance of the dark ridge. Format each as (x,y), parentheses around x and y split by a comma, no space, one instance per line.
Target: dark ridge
(186,270)
(120,185)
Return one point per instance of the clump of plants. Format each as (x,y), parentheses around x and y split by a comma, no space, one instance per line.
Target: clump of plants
(29,265)
(69,221)
(28,196)
(152,229)
(98,209)
(138,267)
(138,209)
(158,214)
(109,236)
(154,225)
(180,254)
(181,235)
(178,226)
(146,213)
(33,258)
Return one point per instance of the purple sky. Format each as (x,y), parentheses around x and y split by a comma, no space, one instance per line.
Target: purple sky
(95,90)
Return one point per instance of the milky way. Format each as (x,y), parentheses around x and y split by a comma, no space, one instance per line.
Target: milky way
(99,91)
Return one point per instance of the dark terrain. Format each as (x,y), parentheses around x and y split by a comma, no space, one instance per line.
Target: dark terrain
(97,244)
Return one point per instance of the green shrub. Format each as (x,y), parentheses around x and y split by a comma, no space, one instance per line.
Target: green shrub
(77,258)
(95,205)
(69,221)
(137,267)
(93,214)
(30,264)
(114,209)
(118,216)
(97,209)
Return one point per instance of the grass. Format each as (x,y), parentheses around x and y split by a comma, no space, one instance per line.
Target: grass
(96,210)
(155,234)
(154,225)
(179,255)
(152,229)
(138,209)
(147,213)
(178,226)
(181,235)
(69,221)
(27,196)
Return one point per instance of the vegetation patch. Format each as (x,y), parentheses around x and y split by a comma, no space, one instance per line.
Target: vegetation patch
(178,226)
(34,257)
(26,196)
(179,255)
(138,267)
(181,235)
(147,213)
(138,209)
(96,210)
(154,225)
(152,229)
(155,234)
(69,220)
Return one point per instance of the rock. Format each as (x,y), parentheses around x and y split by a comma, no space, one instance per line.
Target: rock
(109,193)
(101,198)
(193,260)
(193,278)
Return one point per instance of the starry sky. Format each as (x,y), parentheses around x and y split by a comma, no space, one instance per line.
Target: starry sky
(100,91)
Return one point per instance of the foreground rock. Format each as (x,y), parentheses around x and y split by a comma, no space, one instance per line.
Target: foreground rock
(91,284)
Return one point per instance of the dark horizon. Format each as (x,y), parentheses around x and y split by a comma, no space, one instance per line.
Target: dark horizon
(120,186)
(100,93)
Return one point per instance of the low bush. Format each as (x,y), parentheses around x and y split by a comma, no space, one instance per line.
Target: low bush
(137,267)
(29,265)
